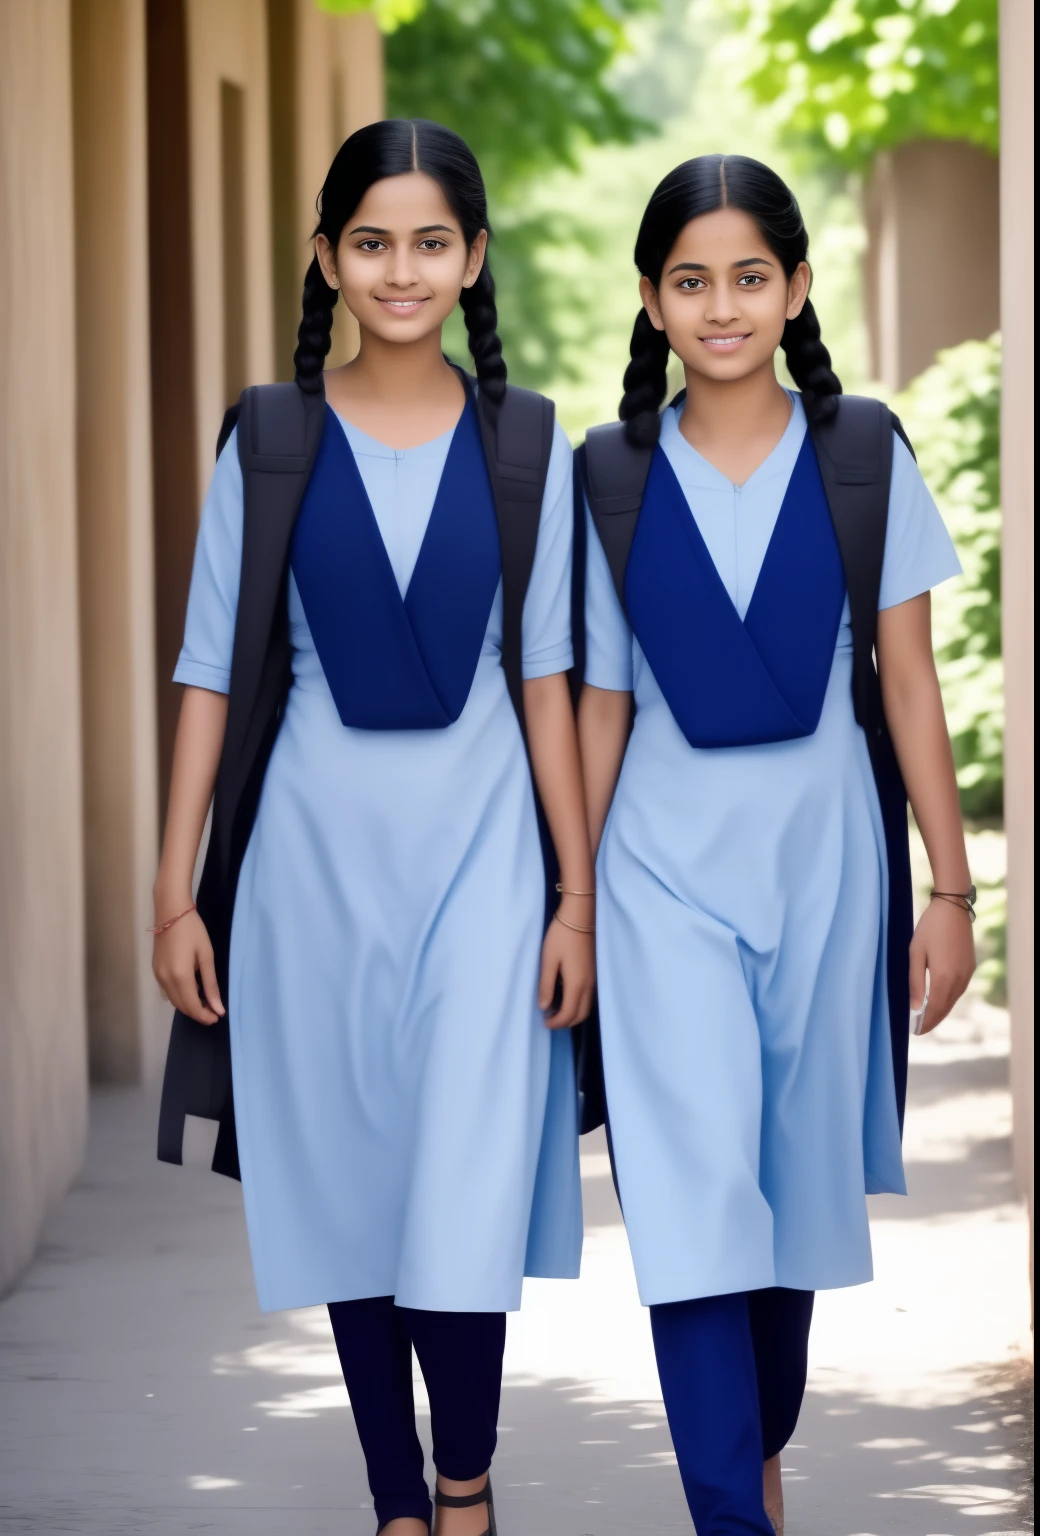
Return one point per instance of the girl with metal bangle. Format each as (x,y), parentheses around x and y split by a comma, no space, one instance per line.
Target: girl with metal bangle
(751,550)
(379,619)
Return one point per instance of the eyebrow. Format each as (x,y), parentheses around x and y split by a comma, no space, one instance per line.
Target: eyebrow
(696,266)
(424,229)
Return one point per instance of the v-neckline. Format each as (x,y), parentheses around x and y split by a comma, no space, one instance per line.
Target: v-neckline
(710,477)
(376,449)
(696,533)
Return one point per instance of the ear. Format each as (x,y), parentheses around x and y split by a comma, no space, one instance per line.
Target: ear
(648,294)
(475,259)
(326,260)
(798,289)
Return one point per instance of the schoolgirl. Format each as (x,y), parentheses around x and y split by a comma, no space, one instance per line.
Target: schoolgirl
(756,970)
(404,1122)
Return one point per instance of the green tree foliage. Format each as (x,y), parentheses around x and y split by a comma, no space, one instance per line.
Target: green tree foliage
(523,81)
(952,413)
(858,76)
(388,13)
(526,84)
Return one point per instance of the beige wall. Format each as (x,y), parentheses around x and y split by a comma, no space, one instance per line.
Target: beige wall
(1016,196)
(227,41)
(42,1026)
(932,263)
(126,1025)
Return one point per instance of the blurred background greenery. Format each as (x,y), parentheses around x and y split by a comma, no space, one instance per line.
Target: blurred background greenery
(576,108)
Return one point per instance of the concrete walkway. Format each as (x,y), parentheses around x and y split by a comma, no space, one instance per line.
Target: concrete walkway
(141,1390)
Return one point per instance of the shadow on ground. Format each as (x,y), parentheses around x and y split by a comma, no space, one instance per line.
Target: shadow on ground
(142,1392)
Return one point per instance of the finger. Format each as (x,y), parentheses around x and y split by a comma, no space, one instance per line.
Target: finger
(184,994)
(918,967)
(942,995)
(547,981)
(211,991)
(566,1015)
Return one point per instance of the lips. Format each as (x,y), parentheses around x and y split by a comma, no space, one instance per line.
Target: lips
(402,306)
(725,343)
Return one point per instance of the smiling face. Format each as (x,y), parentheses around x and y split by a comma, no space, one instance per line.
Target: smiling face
(402,259)
(724,298)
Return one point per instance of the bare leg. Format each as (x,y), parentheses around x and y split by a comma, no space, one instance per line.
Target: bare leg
(473,1521)
(406,1528)
(773,1493)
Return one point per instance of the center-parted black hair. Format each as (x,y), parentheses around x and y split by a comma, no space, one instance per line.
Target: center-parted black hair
(701,186)
(395,147)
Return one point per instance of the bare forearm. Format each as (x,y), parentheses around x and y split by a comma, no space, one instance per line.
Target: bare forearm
(553,743)
(917,724)
(604,719)
(196,754)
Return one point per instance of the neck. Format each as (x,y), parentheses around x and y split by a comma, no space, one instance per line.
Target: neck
(718,410)
(386,371)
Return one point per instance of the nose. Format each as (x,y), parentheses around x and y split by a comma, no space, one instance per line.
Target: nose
(723,305)
(400,267)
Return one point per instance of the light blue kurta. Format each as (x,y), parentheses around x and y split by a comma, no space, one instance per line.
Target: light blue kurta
(406,1122)
(740,923)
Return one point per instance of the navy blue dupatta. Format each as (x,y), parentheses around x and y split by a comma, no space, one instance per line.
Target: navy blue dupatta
(396,663)
(732,682)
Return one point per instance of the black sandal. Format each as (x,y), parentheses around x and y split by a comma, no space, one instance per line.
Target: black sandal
(466,1501)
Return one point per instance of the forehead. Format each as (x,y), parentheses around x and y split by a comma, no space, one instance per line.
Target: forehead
(718,239)
(404,203)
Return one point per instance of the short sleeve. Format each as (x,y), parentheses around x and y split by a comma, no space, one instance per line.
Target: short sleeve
(209,627)
(919,553)
(547,607)
(608,637)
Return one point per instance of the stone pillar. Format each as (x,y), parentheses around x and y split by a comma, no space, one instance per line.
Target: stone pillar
(228,138)
(117,635)
(326,80)
(43,1078)
(1016,243)
(932,264)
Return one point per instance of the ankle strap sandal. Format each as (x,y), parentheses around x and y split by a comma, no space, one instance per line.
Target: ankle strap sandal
(467,1500)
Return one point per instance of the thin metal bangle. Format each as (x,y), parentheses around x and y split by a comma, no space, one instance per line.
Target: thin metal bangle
(572,926)
(562,891)
(954,900)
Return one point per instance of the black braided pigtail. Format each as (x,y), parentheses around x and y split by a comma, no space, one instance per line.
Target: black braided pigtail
(481,316)
(315,333)
(646,383)
(809,364)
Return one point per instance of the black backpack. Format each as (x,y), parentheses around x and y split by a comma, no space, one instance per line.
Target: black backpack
(279,431)
(854,449)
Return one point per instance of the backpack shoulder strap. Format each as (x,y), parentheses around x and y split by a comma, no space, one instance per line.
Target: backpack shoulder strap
(517,442)
(614,475)
(854,450)
(279,431)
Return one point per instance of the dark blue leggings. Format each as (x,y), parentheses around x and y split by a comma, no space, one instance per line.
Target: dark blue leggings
(460,1356)
(732,1373)
(780,1319)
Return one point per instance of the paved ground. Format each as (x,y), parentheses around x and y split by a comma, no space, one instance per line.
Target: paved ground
(141,1391)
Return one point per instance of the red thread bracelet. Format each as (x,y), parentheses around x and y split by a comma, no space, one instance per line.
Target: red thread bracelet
(162,927)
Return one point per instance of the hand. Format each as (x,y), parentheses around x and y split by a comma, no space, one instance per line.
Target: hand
(182,962)
(944,946)
(571,957)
